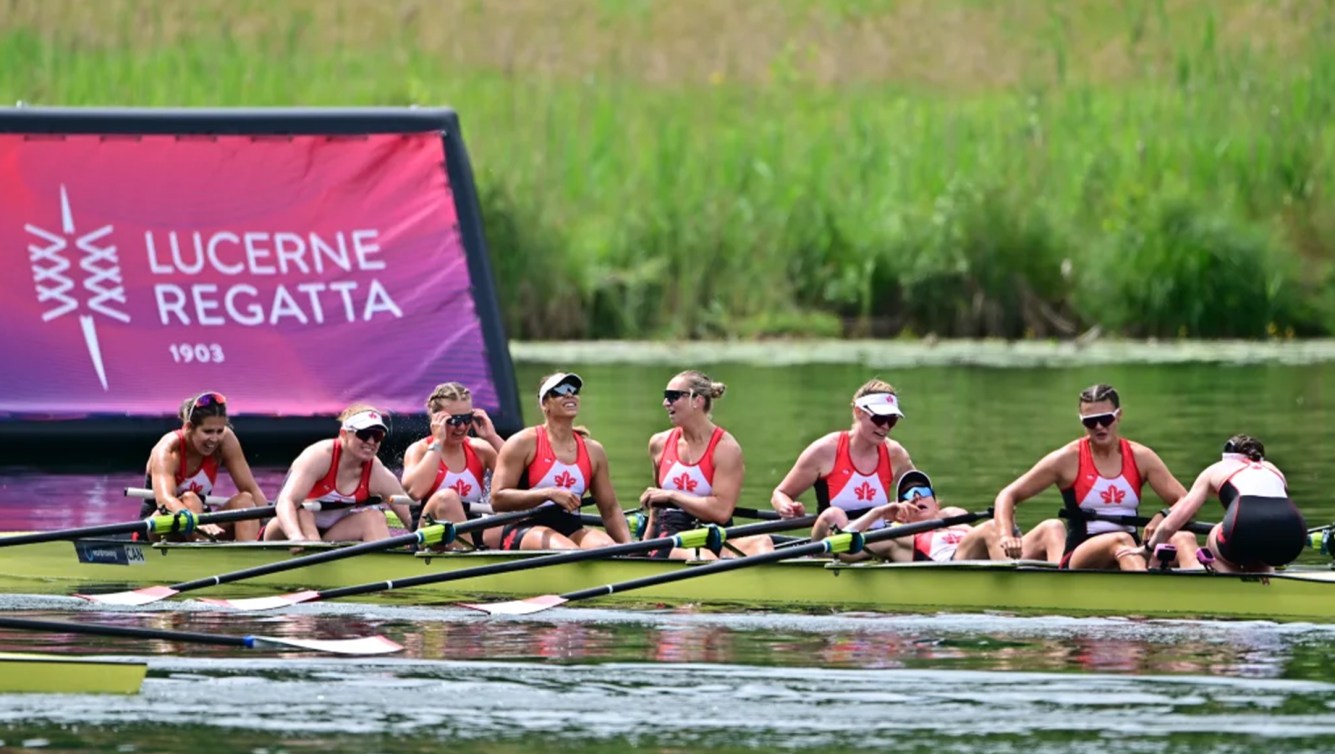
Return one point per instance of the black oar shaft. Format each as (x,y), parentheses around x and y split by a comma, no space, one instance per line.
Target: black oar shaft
(572,556)
(731,564)
(130,527)
(344,552)
(32,624)
(1195,527)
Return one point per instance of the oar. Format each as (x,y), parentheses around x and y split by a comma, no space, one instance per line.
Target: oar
(143,493)
(849,542)
(435,534)
(369,645)
(1195,527)
(712,537)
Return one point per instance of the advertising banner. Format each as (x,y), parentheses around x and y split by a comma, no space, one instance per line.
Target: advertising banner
(295,274)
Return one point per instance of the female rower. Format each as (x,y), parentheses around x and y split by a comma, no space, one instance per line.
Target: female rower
(1098,474)
(183,468)
(834,464)
(550,467)
(324,470)
(449,468)
(698,469)
(916,501)
(1262,528)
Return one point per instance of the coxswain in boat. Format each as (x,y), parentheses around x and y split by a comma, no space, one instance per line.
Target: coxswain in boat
(1100,473)
(183,468)
(915,500)
(551,466)
(853,470)
(698,470)
(321,474)
(1262,528)
(449,467)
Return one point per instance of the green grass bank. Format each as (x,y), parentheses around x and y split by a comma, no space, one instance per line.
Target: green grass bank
(749,168)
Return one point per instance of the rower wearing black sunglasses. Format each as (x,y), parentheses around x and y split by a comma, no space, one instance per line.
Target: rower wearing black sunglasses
(449,468)
(1098,473)
(550,467)
(852,470)
(344,470)
(183,468)
(698,470)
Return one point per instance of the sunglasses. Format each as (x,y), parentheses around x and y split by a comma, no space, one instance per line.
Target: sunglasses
(672,396)
(915,492)
(883,421)
(460,420)
(371,434)
(1100,420)
(563,389)
(210,399)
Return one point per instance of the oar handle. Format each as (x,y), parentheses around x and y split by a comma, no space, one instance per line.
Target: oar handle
(844,542)
(1195,527)
(571,556)
(32,624)
(143,493)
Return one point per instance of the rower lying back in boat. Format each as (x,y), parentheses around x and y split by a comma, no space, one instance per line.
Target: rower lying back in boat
(916,501)
(449,469)
(1098,473)
(833,465)
(698,471)
(183,467)
(324,470)
(1261,528)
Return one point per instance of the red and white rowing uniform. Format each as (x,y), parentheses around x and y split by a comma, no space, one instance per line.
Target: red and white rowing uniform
(696,478)
(1253,479)
(851,489)
(549,471)
(325,491)
(467,482)
(201,482)
(938,545)
(1094,493)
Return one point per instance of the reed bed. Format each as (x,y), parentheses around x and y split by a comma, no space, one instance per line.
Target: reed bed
(746,168)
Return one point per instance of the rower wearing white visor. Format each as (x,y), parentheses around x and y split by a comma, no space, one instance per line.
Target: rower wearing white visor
(852,470)
(916,500)
(551,467)
(342,470)
(1262,528)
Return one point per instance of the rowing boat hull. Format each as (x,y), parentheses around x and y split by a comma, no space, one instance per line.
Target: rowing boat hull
(109,565)
(22,673)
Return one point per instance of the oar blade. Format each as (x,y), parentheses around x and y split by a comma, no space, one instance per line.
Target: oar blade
(275,602)
(518,607)
(369,645)
(145,596)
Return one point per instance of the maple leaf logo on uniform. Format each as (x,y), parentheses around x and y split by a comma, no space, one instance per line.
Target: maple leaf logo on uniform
(461,487)
(865,492)
(565,479)
(1113,494)
(685,482)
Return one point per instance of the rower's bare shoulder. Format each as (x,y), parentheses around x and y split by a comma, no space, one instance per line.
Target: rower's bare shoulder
(1144,454)
(484,450)
(657,441)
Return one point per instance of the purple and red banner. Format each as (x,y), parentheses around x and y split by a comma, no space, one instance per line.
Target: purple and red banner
(294,274)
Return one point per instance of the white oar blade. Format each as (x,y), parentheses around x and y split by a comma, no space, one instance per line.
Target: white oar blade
(370,645)
(265,603)
(517,607)
(143,596)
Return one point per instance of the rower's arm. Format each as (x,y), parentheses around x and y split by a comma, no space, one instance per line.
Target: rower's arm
(604,496)
(1183,510)
(305,472)
(162,470)
(420,466)
(515,456)
(1161,480)
(234,460)
(384,484)
(1044,474)
(806,470)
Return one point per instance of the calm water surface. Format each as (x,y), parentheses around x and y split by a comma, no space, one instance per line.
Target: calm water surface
(597,680)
